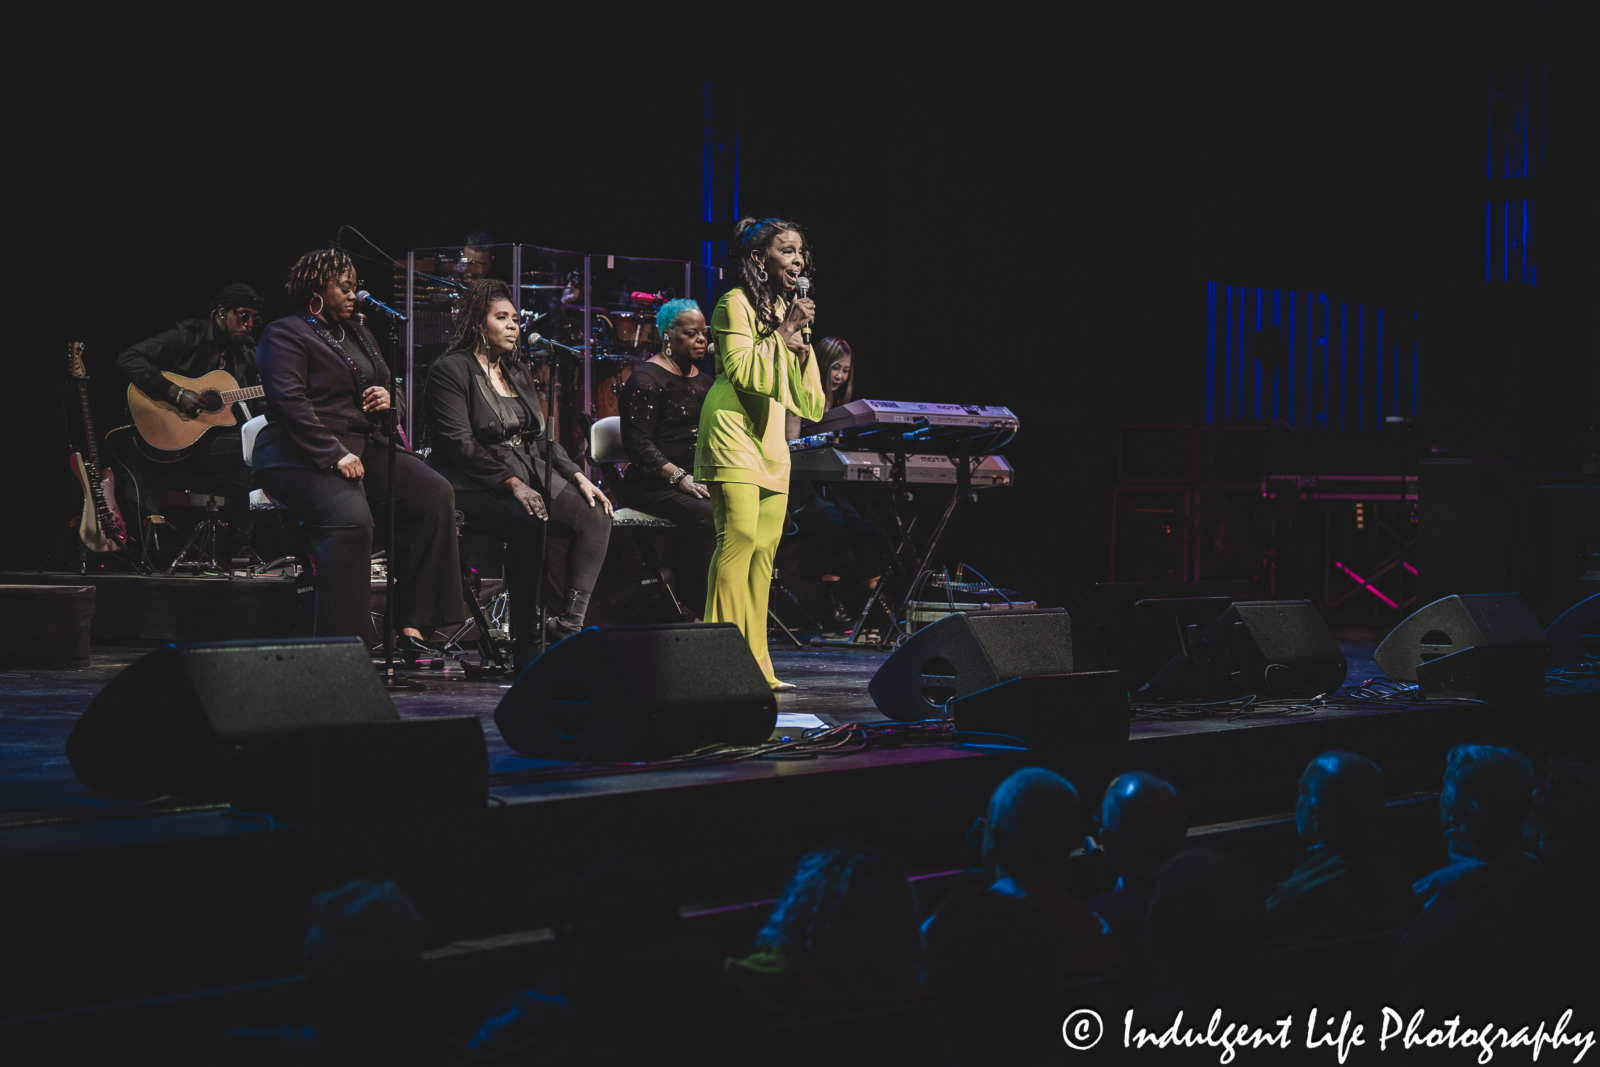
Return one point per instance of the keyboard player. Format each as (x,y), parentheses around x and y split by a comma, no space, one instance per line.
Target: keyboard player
(835,542)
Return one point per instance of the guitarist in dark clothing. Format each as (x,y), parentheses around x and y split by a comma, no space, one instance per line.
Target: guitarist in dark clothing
(220,341)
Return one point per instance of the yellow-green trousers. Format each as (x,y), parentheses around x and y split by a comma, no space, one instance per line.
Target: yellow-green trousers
(749,524)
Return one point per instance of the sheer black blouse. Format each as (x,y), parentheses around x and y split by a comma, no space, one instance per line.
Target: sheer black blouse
(660,420)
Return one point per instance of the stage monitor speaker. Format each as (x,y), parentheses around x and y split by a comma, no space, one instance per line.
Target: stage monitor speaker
(1137,627)
(1453,623)
(1499,674)
(963,653)
(1272,648)
(1575,636)
(1098,615)
(1048,710)
(639,692)
(167,721)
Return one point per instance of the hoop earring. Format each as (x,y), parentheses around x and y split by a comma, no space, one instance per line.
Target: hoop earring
(317,297)
(761,275)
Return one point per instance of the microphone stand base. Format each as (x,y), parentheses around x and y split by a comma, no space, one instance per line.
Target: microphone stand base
(390,678)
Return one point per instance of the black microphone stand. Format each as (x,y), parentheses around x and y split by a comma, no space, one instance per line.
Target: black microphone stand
(392,679)
(556,352)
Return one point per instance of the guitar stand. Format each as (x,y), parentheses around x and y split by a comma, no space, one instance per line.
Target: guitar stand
(69,538)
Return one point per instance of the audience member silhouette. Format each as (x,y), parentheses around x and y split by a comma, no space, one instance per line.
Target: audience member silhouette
(1142,827)
(362,957)
(632,985)
(843,933)
(995,967)
(1033,825)
(1203,932)
(1480,940)
(1347,885)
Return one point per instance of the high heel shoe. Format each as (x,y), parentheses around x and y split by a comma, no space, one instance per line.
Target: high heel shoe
(412,648)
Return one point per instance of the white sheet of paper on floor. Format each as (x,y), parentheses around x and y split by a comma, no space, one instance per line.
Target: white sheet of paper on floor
(797,720)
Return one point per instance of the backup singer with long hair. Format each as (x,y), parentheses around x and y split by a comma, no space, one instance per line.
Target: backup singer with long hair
(763,369)
(326,387)
(489,441)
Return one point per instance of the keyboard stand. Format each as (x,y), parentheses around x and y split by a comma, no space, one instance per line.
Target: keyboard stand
(963,491)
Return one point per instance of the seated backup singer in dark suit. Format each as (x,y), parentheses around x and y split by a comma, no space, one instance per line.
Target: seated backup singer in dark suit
(488,440)
(322,456)
(660,408)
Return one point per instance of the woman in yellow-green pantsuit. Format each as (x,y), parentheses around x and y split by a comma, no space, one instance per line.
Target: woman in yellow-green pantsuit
(763,369)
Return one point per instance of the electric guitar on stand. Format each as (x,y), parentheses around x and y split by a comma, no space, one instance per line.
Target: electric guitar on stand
(101,527)
(165,429)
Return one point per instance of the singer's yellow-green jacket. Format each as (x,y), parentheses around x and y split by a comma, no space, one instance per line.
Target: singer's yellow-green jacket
(758,378)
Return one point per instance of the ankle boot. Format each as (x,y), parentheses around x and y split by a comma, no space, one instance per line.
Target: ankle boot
(570,620)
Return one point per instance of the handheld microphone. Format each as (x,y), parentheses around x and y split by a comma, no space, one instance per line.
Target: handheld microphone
(367,298)
(802,286)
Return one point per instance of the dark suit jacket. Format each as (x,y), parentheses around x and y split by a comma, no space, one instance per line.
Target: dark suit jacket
(191,348)
(314,415)
(469,435)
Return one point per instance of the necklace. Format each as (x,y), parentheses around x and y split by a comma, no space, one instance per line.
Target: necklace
(340,338)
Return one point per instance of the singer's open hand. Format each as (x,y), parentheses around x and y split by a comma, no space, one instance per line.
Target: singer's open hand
(801,312)
(591,492)
(375,398)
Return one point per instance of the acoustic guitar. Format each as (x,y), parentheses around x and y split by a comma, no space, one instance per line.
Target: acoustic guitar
(100,527)
(162,426)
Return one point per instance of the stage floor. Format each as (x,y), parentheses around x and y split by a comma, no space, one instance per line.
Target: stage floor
(39,707)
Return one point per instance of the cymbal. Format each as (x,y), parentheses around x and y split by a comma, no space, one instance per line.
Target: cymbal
(544,287)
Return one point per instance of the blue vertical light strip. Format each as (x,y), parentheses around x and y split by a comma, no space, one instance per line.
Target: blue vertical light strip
(1287,388)
(1227,349)
(1258,365)
(1211,353)
(1277,376)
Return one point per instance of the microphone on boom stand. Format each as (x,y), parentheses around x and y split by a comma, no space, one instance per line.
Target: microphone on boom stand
(368,299)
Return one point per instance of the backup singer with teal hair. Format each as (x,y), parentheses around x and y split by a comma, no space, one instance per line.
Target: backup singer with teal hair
(763,370)
(660,410)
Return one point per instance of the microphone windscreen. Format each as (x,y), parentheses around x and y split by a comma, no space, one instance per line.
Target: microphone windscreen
(802,285)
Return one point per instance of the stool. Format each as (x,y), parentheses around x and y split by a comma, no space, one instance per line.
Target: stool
(203,542)
(259,500)
(605,447)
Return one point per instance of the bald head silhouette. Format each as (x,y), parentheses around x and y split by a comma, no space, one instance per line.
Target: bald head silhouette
(1341,801)
(1033,823)
(1142,821)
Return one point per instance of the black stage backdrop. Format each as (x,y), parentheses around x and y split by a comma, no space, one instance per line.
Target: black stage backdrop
(1010,208)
